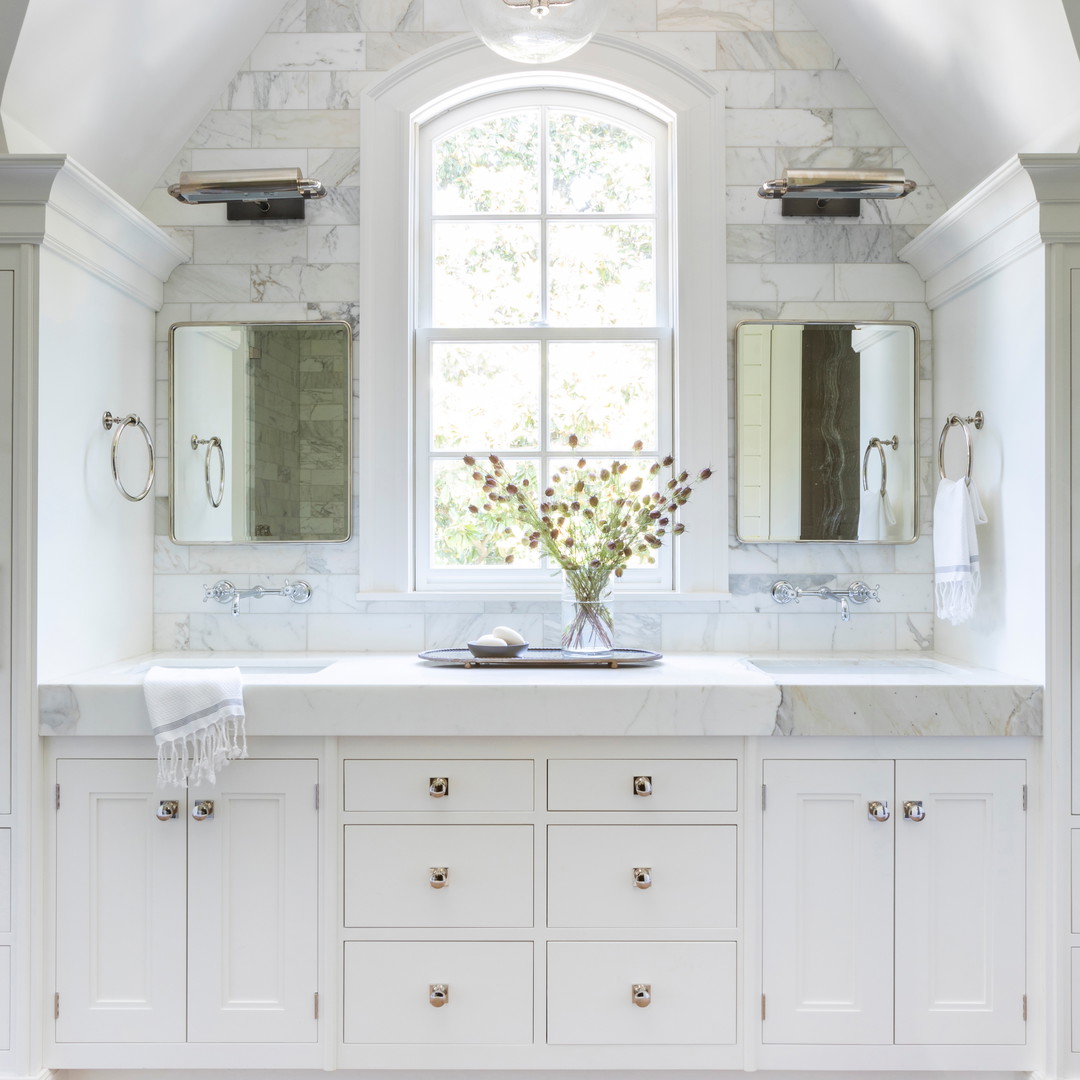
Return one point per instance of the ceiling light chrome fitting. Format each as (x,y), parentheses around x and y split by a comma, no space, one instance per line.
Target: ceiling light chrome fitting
(556,28)
(252,195)
(834,192)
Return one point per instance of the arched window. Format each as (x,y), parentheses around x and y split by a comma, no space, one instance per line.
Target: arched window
(528,278)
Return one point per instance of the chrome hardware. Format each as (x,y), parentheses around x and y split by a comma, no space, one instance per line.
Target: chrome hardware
(879,811)
(825,184)
(858,592)
(438,994)
(440,877)
(212,444)
(122,423)
(913,810)
(439,787)
(203,809)
(955,420)
(641,994)
(894,442)
(643,785)
(225,592)
(168,810)
(642,877)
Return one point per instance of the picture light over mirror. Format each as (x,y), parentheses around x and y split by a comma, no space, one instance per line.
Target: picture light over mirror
(251,194)
(834,192)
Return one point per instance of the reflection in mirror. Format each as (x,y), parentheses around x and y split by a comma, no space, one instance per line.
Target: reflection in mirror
(260,432)
(827,432)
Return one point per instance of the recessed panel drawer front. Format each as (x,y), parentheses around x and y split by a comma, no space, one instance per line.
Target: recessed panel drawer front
(642,875)
(437,786)
(485,989)
(641,992)
(438,875)
(657,784)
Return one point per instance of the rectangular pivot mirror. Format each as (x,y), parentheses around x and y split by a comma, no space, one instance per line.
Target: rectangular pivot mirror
(827,432)
(260,432)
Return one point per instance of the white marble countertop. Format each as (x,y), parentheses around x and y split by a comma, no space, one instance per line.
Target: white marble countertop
(682,694)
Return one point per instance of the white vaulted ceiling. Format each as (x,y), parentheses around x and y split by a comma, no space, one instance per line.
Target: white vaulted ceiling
(121,84)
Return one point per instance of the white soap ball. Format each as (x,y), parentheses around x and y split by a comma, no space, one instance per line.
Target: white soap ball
(509,635)
(489,639)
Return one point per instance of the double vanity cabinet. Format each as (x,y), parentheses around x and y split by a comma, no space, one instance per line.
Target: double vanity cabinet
(360,897)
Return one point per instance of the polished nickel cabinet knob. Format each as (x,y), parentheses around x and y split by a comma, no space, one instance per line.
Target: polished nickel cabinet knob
(642,877)
(642,785)
(168,810)
(913,810)
(879,811)
(438,787)
(203,809)
(641,994)
(440,877)
(438,994)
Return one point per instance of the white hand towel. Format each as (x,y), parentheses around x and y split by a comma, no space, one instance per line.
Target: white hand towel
(197,716)
(957,509)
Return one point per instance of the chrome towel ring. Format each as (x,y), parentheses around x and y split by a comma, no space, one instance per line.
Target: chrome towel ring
(122,423)
(955,420)
(212,444)
(894,442)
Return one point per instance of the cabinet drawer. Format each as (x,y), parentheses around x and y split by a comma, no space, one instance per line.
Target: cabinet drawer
(407,785)
(389,871)
(489,987)
(672,784)
(689,872)
(691,987)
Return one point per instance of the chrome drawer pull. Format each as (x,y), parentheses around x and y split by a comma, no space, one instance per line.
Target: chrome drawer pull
(914,811)
(203,809)
(642,877)
(438,994)
(438,787)
(440,877)
(642,785)
(168,810)
(641,994)
(879,811)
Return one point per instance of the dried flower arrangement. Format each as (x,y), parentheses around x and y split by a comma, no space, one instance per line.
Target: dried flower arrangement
(590,521)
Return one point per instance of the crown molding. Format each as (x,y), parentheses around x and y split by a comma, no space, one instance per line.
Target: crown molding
(1030,201)
(51,201)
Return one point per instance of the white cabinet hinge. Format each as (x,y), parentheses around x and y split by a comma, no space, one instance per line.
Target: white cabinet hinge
(1025,1007)
(762,1006)
(316,1005)
(316,796)
(762,796)
(1025,796)
(56,1006)
(57,796)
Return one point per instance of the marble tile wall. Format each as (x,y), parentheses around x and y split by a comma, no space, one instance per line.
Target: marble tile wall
(790,101)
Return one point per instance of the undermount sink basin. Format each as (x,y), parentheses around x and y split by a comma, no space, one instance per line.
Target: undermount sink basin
(247,667)
(847,666)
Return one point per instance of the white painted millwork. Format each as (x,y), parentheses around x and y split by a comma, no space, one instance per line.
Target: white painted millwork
(388,991)
(843,892)
(691,986)
(389,872)
(393,786)
(691,872)
(671,785)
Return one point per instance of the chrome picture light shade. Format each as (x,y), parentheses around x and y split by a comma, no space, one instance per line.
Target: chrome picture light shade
(534,31)
(834,192)
(252,194)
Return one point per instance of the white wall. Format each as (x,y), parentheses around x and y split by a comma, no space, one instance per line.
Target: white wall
(989,344)
(95,551)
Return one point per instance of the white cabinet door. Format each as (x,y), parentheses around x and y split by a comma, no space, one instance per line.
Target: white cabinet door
(253,906)
(827,953)
(960,879)
(120,893)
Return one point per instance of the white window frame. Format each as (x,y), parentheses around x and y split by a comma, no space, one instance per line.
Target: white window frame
(494,101)
(390,112)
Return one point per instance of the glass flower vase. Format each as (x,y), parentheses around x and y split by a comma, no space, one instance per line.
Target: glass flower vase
(588,625)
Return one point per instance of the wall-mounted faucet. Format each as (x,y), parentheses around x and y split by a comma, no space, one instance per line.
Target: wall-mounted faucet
(225,592)
(858,592)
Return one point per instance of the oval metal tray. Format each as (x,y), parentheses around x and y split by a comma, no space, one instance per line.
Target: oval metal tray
(541,658)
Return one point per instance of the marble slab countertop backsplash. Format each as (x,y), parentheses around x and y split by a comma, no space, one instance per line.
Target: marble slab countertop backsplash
(338,694)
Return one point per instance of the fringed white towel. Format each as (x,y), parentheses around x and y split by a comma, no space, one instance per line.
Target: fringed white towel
(957,509)
(197,716)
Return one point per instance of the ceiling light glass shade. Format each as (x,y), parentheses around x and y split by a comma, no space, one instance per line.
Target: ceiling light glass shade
(534,31)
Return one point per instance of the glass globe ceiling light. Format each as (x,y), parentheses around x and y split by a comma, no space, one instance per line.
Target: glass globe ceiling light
(534,31)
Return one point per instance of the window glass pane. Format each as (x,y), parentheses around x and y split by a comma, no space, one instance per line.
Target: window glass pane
(604,392)
(491,167)
(601,274)
(486,538)
(597,167)
(486,273)
(485,394)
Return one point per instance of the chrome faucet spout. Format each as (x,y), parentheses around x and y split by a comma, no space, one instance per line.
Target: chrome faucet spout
(783,592)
